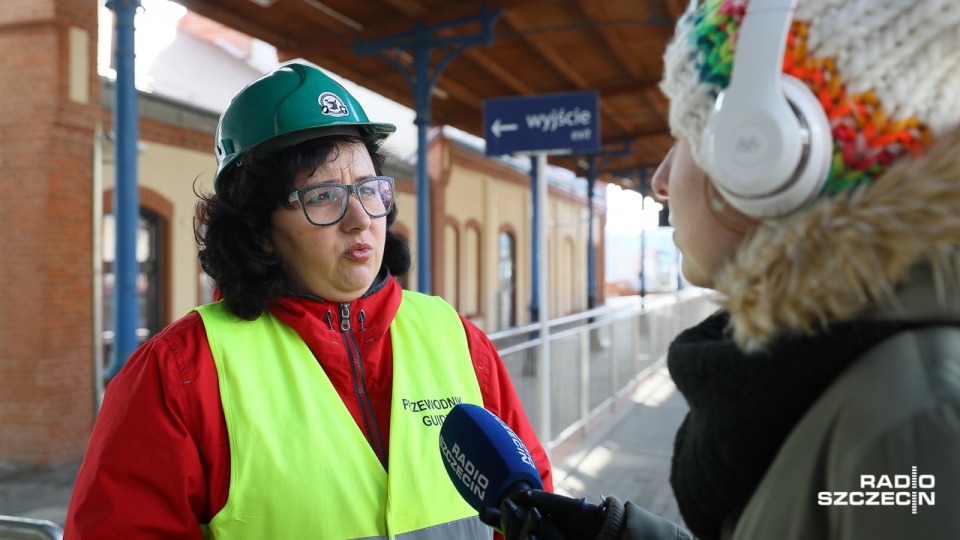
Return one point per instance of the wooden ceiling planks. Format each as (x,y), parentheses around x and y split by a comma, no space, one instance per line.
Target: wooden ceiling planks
(540,46)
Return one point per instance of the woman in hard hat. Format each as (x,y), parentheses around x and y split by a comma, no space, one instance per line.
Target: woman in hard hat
(307,402)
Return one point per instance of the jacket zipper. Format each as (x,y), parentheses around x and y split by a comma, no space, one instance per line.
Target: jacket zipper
(329,319)
(359,385)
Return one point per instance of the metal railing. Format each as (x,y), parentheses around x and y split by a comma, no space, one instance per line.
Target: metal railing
(18,528)
(594,357)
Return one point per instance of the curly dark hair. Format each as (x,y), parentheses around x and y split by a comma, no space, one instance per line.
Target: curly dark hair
(231,223)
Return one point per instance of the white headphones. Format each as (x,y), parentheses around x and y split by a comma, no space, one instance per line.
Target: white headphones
(767,142)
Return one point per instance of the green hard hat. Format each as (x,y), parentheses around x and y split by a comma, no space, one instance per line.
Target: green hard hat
(289,105)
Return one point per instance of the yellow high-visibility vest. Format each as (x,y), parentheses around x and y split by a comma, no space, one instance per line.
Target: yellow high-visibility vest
(300,466)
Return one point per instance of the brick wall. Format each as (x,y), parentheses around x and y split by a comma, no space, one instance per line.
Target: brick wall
(46,140)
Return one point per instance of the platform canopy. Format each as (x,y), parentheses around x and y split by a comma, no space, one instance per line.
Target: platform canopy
(614,47)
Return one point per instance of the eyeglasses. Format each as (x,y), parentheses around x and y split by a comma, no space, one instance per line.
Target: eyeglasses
(326,204)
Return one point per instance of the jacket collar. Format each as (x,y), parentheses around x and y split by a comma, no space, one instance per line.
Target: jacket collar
(318,320)
(852,254)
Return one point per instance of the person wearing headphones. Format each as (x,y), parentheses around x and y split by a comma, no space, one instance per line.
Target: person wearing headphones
(815,184)
(307,401)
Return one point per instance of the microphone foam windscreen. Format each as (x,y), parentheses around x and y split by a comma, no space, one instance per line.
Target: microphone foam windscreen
(483,456)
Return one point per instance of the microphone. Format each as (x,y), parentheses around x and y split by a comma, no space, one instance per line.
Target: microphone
(484,458)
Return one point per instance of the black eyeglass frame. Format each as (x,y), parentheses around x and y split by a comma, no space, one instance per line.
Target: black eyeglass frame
(351,189)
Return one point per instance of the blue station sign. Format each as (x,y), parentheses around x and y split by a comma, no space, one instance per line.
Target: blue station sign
(553,123)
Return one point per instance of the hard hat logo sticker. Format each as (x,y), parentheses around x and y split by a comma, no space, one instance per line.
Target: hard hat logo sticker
(332,105)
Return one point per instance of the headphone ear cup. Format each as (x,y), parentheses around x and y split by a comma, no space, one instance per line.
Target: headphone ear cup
(752,142)
(767,143)
(769,159)
(814,168)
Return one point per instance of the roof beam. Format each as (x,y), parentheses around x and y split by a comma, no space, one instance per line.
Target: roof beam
(553,57)
(597,13)
(444,84)
(394,92)
(556,60)
(498,72)
(675,8)
(433,17)
(639,86)
(413,9)
(461,92)
(658,102)
(410,8)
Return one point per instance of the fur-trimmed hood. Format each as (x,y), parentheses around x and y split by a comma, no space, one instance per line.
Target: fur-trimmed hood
(850,254)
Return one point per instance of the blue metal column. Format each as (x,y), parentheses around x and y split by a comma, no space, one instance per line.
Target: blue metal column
(422,77)
(126,204)
(591,251)
(422,89)
(534,244)
(592,170)
(421,105)
(643,232)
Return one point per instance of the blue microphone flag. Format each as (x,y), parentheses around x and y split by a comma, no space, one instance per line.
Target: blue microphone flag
(484,457)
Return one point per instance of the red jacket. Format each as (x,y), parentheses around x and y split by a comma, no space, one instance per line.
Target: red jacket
(158,461)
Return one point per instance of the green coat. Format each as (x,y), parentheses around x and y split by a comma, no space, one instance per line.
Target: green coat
(895,408)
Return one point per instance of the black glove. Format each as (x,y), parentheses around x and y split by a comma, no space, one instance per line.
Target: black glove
(534,514)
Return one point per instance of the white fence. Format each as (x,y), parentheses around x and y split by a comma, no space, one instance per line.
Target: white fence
(594,357)
(29,529)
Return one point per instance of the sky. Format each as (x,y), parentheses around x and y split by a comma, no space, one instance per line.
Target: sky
(623,207)
(156,28)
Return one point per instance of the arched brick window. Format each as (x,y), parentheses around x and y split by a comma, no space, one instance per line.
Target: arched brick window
(153,258)
(506,278)
(471,268)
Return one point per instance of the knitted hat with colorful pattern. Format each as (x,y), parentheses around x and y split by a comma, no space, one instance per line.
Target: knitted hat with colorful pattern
(887,73)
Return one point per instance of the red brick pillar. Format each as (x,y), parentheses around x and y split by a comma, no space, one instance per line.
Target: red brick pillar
(49,107)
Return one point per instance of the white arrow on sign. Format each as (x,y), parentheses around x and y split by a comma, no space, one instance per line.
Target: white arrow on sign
(497,127)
